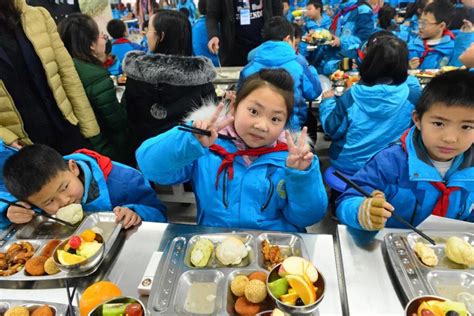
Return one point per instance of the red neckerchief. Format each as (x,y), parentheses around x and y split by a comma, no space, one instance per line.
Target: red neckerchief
(361,54)
(104,162)
(109,61)
(442,205)
(228,161)
(428,49)
(121,40)
(333,26)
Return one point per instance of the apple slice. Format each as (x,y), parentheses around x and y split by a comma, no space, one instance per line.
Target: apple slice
(292,265)
(311,272)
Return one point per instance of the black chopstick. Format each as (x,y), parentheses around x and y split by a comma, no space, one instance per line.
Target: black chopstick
(395,216)
(38,212)
(186,128)
(70,297)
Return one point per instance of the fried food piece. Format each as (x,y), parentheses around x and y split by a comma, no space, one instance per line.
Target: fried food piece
(35,266)
(44,310)
(258,275)
(48,250)
(238,284)
(426,254)
(17,311)
(271,254)
(244,307)
(459,251)
(50,266)
(256,291)
(11,270)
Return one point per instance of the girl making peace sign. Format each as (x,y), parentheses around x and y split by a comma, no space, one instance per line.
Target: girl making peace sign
(260,180)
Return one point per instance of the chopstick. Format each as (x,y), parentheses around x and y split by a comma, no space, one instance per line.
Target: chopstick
(70,296)
(38,212)
(395,216)
(186,128)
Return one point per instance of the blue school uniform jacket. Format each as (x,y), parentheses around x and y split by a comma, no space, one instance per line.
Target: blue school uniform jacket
(265,195)
(120,47)
(279,54)
(124,186)
(404,177)
(312,25)
(363,121)
(200,41)
(462,42)
(439,57)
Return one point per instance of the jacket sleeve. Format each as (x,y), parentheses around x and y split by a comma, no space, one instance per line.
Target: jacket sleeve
(7,136)
(371,177)
(213,16)
(311,84)
(4,221)
(415,89)
(461,43)
(364,27)
(307,197)
(169,157)
(334,115)
(71,82)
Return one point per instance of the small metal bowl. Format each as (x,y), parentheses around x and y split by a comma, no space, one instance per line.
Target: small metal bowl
(84,265)
(307,309)
(97,311)
(412,306)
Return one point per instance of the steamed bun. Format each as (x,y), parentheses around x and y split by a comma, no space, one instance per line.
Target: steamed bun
(71,213)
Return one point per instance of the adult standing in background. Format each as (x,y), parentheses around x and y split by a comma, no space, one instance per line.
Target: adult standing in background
(240,23)
(41,96)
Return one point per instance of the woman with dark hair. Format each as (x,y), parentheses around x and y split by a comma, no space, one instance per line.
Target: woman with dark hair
(167,83)
(86,44)
(41,98)
(372,113)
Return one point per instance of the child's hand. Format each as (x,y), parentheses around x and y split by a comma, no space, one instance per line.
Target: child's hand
(336,42)
(20,215)
(299,157)
(128,217)
(414,63)
(374,211)
(328,94)
(213,126)
(467,26)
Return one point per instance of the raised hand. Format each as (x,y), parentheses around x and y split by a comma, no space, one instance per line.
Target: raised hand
(213,126)
(300,155)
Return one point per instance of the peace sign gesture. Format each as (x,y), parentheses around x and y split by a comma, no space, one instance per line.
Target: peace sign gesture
(213,126)
(299,156)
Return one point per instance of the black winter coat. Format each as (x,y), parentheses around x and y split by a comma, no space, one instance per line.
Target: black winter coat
(162,89)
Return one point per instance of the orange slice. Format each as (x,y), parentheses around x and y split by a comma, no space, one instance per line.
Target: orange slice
(303,289)
(289,299)
(67,258)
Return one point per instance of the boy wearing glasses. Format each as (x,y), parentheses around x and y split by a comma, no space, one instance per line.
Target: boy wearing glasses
(434,46)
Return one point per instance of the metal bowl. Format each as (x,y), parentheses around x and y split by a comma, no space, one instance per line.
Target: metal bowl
(97,311)
(412,306)
(307,309)
(85,265)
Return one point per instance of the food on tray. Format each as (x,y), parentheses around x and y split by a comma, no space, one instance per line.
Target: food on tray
(15,257)
(122,79)
(271,254)
(35,265)
(426,74)
(119,309)
(459,251)
(48,249)
(17,311)
(96,294)
(231,251)
(50,266)
(277,312)
(244,307)
(43,310)
(71,213)
(78,250)
(201,252)
(441,308)
(318,37)
(258,275)
(337,75)
(201,298)
(426,254)
(447,69)
(256,291)
(298,288)
(238,284)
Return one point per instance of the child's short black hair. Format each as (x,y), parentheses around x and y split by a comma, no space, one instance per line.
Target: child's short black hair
(30,169)
(385,16)
(454,88)
(442,10)
(184,11)
(277,28)
(318,4)
(116,28)
(386,61)
(460,14)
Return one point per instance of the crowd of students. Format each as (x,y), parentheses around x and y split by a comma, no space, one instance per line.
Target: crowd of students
(410,147)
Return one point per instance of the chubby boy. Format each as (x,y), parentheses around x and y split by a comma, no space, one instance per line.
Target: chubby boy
(431,169)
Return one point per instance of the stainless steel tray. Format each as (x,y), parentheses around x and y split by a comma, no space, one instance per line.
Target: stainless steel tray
(105,221)
(175,273)
(447,279)
(58,309)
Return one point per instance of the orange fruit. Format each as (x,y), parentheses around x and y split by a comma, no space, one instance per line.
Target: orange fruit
(303,289)
(96,294)
(88,235)
(289,299)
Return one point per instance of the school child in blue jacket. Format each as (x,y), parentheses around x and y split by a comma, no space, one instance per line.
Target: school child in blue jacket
(435,44)
(430,171)
(278,51)
(121,45)
(190,6)
(351,26)
(199,35)
(372,113)
(37,175)
(315,18)
(260,180)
